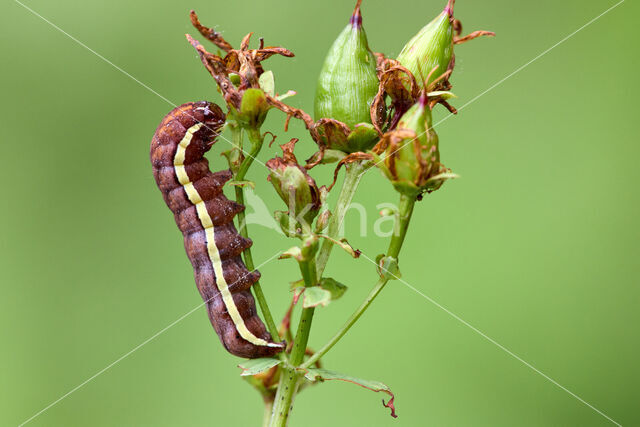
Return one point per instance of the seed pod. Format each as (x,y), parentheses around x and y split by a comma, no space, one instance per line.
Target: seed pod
(409,155)
(348,83)
(432,47)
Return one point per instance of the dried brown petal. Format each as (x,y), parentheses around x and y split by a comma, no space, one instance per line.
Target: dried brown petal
(211,34)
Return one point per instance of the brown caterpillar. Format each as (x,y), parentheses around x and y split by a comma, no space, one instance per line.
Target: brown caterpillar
(205,217)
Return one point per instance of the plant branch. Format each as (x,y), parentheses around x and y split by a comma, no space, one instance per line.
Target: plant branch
(400,231)
(256,144)
(290,377)
(354,172)
(266,418)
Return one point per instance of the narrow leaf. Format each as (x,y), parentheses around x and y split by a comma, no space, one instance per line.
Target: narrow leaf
(284,96)
(294,252)
(326,375)
(442,94)
(242,184)
(255,366)
(344,244)
(296,285)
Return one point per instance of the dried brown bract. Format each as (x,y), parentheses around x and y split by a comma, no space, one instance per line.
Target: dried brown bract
(244,63)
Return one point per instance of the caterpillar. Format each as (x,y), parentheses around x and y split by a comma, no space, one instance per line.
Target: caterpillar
(205,217)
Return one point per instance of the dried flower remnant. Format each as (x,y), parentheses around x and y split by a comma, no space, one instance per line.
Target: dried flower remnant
(242,66)
(429,53)
(296,188)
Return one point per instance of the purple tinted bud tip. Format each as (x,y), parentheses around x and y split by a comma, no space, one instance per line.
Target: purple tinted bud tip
(449,8)
(424,99)
(356,18)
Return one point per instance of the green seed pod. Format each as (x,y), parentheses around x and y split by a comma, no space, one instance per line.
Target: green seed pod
(431,47)
(348,83)
(411,159)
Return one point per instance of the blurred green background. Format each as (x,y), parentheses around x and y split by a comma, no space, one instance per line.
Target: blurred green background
(536,245)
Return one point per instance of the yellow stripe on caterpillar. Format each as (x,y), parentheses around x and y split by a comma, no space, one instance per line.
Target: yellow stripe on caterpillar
(212,249)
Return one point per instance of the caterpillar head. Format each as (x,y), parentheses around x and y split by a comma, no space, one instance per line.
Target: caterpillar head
(212,119)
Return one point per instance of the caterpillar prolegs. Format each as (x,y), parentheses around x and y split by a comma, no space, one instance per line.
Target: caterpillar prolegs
(205,217)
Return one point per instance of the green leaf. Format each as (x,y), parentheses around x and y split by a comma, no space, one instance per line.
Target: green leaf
(344,244)
(234,158)
(326,375)
(255,366)
(336,288)
(293,286)
(242,184)
(322,294)
(294,252)
(267,82)
(289,94)
(314,296)
(388,267)
(442,94)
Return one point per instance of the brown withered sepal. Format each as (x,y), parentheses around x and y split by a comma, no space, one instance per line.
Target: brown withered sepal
(400,85)
(288,159)
(244,62)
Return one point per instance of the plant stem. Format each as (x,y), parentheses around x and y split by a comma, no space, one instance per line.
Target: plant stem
(256,144)
(266,418)
(405,210)
(354,172)
(290,377)
(399,233)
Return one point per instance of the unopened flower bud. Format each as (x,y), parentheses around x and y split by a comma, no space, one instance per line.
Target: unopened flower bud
(347,85)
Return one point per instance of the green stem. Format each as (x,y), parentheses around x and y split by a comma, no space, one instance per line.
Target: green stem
(400,231)
(266,418)
(290,376)
(354,172)
(256,144)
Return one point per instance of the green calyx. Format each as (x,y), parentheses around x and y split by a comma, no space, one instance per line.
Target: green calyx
(348,83)
(411,158)
(253,109)
(432,47)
